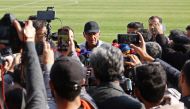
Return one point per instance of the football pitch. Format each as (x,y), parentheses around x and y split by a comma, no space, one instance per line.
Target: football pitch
(112,15)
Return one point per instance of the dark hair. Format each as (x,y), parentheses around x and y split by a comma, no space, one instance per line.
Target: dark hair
(151,81)
(66,91)
(186,71)
(135,25)
(32,17)
(66,29)
(188,27)
(14,96)
(154,49)
(155,17)
(38,24)
(66,75)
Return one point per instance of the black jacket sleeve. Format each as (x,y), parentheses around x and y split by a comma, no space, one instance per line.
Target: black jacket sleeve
(171,72)
(162,40)
(36,94)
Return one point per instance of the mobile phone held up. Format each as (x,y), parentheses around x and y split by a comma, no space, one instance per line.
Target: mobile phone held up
(63,41)
(131,38)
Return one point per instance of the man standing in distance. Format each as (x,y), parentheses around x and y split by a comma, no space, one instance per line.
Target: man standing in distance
(92,35)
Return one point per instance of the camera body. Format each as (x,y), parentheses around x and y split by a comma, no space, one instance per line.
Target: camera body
(47,15)
(3,53)
(8,34)
(131,38)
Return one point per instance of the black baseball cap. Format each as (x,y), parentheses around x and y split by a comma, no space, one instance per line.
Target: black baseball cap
(67,71)
(91,26)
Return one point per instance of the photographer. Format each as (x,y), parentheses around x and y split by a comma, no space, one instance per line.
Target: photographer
(177,52)
(64,51)
(66,45)
(36,94)
(152,54)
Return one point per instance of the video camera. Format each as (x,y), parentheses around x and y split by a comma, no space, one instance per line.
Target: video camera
(3,53)
(47,15)
(8,34)
(127,81)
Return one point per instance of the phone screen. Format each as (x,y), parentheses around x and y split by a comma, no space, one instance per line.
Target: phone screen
(63,36)
(128,38)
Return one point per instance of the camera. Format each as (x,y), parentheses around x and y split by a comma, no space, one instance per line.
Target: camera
(3,53)
(63,40)
(131,38)
(47,15)
(8,33)
(126,84)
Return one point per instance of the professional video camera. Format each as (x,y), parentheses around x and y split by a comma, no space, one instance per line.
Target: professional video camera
(8,33)
(127,81)
(127,85)
(47,15)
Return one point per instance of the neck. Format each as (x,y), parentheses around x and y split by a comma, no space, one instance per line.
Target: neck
(186,91)
(90,46)
(64,104)
(149,105)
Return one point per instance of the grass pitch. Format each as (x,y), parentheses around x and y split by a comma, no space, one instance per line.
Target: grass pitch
(112,15)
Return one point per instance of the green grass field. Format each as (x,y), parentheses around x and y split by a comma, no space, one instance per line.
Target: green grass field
(112,15)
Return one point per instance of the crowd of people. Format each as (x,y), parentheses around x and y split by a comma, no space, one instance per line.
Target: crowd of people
(151,74)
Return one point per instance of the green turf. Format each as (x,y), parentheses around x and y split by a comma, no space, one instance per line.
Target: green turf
(112,15)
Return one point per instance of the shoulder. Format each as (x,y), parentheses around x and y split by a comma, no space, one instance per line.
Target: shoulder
(102,42)
(122,102)
(82,45)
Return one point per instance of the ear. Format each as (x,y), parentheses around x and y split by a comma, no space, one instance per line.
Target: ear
(84,34)
(83,81)
(182,78)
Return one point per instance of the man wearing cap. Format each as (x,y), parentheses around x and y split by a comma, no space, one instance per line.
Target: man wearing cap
(92,35)
(66,80)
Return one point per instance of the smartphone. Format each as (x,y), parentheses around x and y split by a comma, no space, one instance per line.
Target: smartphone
(63,41)
(131,38)
(63,36)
